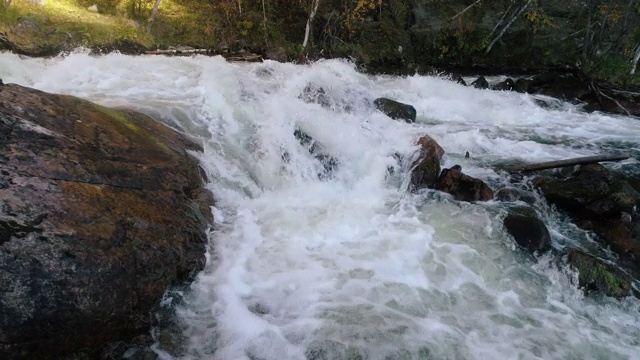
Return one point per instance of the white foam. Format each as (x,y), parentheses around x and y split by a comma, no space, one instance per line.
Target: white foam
(354,265)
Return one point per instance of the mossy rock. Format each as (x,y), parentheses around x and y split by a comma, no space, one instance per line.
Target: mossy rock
(596,275)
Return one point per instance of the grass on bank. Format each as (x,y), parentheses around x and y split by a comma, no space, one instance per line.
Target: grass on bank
(37,25)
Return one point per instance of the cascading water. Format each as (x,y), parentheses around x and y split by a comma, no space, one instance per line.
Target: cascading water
(352,266)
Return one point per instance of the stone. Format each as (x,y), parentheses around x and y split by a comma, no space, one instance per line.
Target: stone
(277,54)
(509,194)
(101,212)
(313,94)
(463,187)
(528,231)
(507,85)
(596,275)
(480,83)
(396,110)
(93,8)
(328,162)
(592,192)
(426,168)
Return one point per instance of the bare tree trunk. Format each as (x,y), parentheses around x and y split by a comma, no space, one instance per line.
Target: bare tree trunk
(264,19)
(587,35)
(7,3)
(153,15)
(307,31)
(504,29)
(240,7)
(636,57)
(501,20)
(568,162)
(465,10)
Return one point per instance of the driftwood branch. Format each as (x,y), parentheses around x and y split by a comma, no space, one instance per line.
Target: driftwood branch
(567,162)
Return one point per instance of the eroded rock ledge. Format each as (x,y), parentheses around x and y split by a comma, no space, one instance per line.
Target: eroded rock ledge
(101,211)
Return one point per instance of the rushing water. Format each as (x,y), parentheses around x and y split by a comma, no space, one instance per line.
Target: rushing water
(353,266)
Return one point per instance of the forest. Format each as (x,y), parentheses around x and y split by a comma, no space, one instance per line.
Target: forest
(600,36)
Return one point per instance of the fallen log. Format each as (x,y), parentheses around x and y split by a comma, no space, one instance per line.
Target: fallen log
(566,162)
(177,51)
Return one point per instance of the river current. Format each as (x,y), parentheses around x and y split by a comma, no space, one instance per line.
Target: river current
(352,266)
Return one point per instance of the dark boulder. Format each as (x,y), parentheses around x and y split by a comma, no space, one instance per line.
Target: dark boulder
(596,275)
(396,110)
(592,191)
(528,231)
(277,54)
(603,202)
(101,212)
(426,168)
(509,194)
(463,187)
(480,83)
(507,85)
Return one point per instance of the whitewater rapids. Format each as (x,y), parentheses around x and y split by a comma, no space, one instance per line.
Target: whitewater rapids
(353,266)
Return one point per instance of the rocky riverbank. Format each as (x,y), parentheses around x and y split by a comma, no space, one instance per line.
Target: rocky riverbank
(102,211)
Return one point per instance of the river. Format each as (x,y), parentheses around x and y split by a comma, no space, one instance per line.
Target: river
(351,265)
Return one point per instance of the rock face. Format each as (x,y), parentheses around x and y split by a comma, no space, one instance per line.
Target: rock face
(596,275)
(426,168)
(527,229)
(100,212)
(396,110)
(463,187)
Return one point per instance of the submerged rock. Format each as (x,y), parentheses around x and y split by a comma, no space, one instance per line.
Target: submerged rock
(426,168)
(509,194)
(528,231)
(396,110)
(463,187)
(596,275)
(101,212)
(329,163)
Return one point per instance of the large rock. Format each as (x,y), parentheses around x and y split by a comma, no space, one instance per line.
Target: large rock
(426,168)
(596,275)
(396,110)
(100,212)
(593,191)
(463,187)
(528,231)
(603,202)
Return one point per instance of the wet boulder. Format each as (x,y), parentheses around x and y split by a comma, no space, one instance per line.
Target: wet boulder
(480,83)
(528,231)
(507,85)
(596,275)
(463,187)
(313,94)
(426,168)
(101,211)
(396,110)
(329,162)
(592,191)
(510,194)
